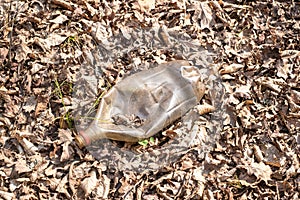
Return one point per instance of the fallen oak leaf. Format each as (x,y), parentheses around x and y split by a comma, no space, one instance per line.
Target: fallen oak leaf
(260,170)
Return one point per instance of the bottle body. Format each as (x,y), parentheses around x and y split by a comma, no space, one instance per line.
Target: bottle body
(144,103)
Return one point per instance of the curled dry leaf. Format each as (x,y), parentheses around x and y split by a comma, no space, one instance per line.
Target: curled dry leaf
(22,52)
(205,108)
(103,189)
(90,8)
(36,67)
(227,69)
(258,154)
(42,104)
(203,13)
(65,135)
(29,146)
(66,152)
(62,187)
(89,183)
(273,84)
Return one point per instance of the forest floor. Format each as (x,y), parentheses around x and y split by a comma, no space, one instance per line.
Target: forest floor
(44,43)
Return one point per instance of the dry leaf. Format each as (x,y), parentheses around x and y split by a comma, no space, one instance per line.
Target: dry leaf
(205,108)
(22,166)
(260,170)
(146,5)
(22,52)
(42,102)
(62,187)
(7,195)
(59,19)
(205,15)
(89,183)
(104,187)
(227,69)
(3,54)
(90,8)
(66,152)
(30,104)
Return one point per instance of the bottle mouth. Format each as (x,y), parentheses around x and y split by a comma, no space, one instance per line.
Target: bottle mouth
(81,140)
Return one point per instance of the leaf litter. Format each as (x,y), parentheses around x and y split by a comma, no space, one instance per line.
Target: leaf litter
(257,47)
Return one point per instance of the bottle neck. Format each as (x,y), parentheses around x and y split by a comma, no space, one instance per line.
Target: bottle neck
(89,135)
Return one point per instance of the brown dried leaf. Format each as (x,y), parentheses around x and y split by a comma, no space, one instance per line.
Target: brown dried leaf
(62,186)
(65,135)
(22,52)
(21,166)
(227,69)
(91,9)
(29,146)
(42,104)
(3,54)
(55,39)
(65,4)
(59,19)
(198,175)
(7,195)
(30,104)
(205,108)
(66,152)
(89,183)
(146,5)
(104,187)
(260,170)
(36,67)
(205,15)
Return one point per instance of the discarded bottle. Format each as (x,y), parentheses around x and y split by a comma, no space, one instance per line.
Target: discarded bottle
(144,103)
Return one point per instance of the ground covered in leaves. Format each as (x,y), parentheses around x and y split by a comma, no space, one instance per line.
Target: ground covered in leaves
(42,45)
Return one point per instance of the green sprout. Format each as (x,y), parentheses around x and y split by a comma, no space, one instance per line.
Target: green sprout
(145,142)
(71,40)
(67,116)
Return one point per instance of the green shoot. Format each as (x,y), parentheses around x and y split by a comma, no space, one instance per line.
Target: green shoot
(145,142)
(67,116)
